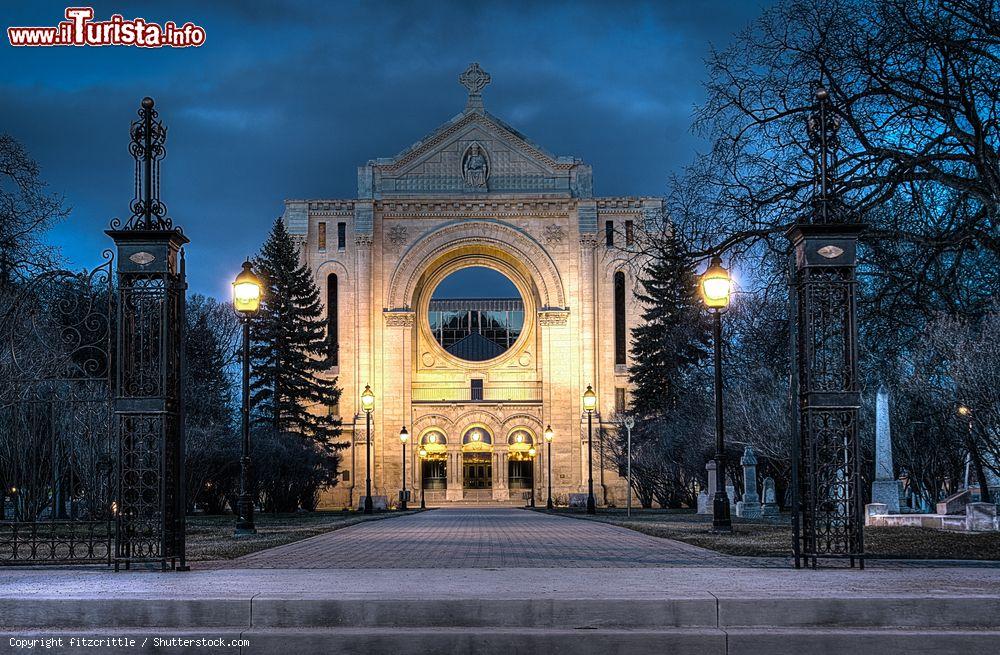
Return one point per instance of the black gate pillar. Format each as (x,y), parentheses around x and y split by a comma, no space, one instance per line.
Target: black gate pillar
(149,399)
(828,513)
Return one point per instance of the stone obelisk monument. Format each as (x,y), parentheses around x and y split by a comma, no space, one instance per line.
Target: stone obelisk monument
(885,487)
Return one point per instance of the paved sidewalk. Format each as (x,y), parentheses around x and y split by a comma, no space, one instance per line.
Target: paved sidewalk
(486,538)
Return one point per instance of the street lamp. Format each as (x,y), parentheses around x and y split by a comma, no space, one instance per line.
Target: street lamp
(368,404)
(548,463)
(716,286)
(589,405)
(246,301)
(973,454)
(629,424)
(531,454)
(404,436)
(423,453)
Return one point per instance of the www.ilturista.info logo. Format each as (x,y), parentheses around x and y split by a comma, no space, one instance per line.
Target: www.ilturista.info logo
(80,29)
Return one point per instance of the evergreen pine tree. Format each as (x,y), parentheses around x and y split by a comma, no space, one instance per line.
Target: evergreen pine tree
(673,338)
(288,348)
(209,398)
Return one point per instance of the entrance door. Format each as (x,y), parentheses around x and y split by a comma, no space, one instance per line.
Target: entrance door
(477,470)
(520,474)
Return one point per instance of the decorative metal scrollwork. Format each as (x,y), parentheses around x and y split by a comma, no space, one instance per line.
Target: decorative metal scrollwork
(57,454)
(147,145)
(826,471)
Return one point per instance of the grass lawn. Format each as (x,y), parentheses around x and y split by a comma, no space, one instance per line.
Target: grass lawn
(211,537)
(772,538)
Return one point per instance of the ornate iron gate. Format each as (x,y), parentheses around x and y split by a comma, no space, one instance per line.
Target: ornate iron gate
(91,395)
(57,453)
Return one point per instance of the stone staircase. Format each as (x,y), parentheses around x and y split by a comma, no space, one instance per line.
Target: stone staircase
(768,624)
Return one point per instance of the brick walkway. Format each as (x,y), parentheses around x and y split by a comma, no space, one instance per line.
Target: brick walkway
(485,538)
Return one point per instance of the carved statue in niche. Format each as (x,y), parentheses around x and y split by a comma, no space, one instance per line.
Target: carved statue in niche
(475,167)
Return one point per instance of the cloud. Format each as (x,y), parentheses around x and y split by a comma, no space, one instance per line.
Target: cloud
(286,99)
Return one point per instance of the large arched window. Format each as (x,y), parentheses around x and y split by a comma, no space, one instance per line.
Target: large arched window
(620,336)
(332,335)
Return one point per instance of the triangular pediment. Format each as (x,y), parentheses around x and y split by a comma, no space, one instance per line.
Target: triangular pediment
(473,154)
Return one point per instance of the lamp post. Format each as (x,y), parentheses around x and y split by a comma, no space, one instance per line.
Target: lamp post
(589,404)
(404,436)
(246,301)
(368,404)
(715,287)
(973,449)
(531,453)
(423,454)
(548,464)
(629,424)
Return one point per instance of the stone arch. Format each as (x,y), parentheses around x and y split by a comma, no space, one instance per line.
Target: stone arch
(489,236)
(480,417)
(428,421)
(522,420)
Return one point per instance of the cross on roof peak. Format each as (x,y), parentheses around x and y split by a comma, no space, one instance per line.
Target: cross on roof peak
(474,79)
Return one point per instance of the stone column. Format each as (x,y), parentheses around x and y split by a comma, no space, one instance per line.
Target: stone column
(454,468)
(885,486)
(501,490)
(587,341)
(560,397)
(395,366)
(363,273)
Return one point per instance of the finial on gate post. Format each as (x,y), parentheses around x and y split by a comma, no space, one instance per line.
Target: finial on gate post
(147,141)
(823,130)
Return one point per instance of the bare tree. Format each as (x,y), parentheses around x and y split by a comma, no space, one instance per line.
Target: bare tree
(915,88)
(27,211)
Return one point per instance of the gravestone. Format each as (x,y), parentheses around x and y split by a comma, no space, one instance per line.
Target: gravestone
(749,507)
(770,507)
(885,486)
(379,503)
(706,495)
(980,517)
(992,479)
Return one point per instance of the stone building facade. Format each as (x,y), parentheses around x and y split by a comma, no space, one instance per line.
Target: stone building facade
(475,192)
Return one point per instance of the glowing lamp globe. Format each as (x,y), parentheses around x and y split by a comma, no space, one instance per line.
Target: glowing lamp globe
(404,435)
(589,399)
(368,399)
(246,291)
(716,285)
(549,434)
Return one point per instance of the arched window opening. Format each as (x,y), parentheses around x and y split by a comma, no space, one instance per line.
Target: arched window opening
(620,332)
(332,334)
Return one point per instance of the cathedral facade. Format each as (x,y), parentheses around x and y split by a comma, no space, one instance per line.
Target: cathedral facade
(475,380)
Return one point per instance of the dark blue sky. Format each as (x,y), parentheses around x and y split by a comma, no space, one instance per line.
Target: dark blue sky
(286,99)
(475,282)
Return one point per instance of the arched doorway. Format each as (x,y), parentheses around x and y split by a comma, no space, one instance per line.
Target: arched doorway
(520,460)
(433,461)
(477,459)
